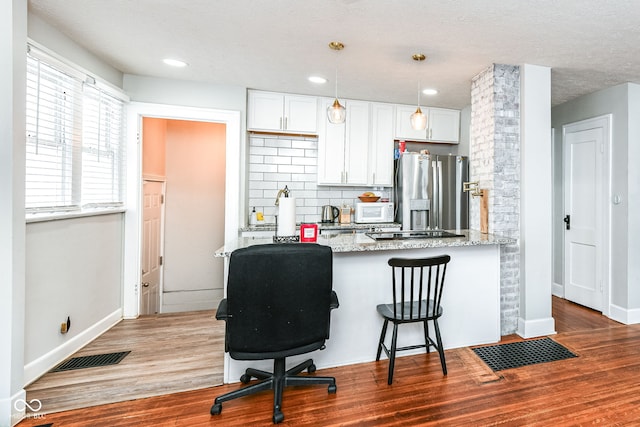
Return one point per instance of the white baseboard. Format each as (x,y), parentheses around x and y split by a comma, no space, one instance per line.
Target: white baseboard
(173,302)
(557,290)
(37,368)
(536,328)
(624,315)
(9,415)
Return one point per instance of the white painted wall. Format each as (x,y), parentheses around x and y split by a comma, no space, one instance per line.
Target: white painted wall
(622,102)
(194,215)
(74,268)
(49,37)
(633,203)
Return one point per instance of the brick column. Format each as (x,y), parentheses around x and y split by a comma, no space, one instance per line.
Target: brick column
(495,162)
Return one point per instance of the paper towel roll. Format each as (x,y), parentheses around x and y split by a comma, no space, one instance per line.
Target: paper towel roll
(287,216)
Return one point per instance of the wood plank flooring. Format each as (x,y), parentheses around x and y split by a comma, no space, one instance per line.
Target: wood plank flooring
(599,387)
(169,353)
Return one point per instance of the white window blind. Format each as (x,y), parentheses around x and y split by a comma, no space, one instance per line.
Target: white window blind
(102,149)
(74,146)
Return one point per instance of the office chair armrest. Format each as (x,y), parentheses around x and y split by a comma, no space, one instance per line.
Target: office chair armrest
(334,300)
(221,312)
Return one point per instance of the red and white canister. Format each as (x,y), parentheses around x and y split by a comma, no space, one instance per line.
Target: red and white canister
(308,232)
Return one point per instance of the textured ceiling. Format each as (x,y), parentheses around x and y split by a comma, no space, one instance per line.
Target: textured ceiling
(277,44)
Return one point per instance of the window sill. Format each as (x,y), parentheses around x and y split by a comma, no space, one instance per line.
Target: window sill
(55,216)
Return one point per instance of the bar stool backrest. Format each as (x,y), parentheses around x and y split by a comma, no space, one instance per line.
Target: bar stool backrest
(417,286)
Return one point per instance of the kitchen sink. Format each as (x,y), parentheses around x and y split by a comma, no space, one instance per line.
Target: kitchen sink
(412,234)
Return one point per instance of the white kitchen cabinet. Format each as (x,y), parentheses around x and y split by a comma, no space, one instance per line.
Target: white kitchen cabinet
(443,125)
(381,147)
(343,149)
(277,112)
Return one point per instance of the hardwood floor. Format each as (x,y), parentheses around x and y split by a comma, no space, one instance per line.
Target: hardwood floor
(159,362)
(598,387)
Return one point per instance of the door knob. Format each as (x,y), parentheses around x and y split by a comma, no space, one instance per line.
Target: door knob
(145,284)
(567,221)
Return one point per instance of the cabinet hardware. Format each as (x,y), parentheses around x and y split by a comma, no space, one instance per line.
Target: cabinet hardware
(567,221)
(281,123)
(286,123)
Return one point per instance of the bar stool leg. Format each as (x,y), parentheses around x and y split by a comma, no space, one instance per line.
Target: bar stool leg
(392,357)
(383,334)
(440,348)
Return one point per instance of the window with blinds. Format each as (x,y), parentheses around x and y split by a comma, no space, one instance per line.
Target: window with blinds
(74,146)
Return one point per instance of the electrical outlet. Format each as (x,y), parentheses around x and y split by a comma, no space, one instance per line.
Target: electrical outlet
(65,326)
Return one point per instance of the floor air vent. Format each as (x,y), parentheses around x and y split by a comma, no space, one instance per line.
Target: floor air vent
(93,361)
(523,353)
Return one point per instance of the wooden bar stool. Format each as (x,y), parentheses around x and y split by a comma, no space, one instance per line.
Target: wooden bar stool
(417,292)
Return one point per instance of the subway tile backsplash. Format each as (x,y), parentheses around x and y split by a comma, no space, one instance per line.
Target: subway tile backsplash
(279,160)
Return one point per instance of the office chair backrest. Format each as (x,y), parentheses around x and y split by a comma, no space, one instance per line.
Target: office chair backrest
(278,297)
(415,280)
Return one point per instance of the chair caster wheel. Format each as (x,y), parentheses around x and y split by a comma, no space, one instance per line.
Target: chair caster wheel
(278,417)
(311,369)
(332,389)
(245,379)
(216,409)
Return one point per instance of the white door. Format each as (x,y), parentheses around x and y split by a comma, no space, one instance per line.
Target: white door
(585,145)
(153,197)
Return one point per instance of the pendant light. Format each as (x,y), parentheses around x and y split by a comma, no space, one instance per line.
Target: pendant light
(418,119)
(336,113)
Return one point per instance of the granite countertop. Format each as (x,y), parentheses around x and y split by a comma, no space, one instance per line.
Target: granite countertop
(325,226)
(360,242)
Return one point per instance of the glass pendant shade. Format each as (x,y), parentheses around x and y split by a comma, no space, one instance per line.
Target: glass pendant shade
(336,112)
(418,120)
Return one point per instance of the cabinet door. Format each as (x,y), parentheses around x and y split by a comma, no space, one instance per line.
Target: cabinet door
(300,114)
(381,152)
(404,131)
(356,159)
(444,125)
(331,141)
(265,111)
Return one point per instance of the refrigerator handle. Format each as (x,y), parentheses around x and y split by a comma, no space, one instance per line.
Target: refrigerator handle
(435,196)
(440,194)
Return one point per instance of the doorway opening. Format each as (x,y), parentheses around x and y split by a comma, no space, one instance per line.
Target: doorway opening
(183,170)
(133,216)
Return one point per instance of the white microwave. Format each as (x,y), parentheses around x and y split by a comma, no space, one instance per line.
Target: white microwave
(374,212)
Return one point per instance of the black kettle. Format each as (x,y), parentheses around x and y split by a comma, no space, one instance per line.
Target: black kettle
(329,213)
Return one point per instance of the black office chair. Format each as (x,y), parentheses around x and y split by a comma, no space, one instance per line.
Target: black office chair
(417,292)
(279,302)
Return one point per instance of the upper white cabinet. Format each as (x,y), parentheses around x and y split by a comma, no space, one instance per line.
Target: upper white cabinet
(443,125)
(277,112)
(358,152)
(343,149)
(381,152)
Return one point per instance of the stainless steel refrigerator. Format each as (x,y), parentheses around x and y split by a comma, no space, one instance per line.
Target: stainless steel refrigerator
(429,192)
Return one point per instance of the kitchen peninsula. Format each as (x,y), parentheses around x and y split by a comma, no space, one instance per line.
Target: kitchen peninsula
(361,278)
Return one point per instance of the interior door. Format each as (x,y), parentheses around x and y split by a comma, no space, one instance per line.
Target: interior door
(153,197)
(583,184)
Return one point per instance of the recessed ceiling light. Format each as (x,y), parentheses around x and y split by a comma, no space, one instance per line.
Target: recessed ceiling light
(430,91)
(317,79)
(174,62)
